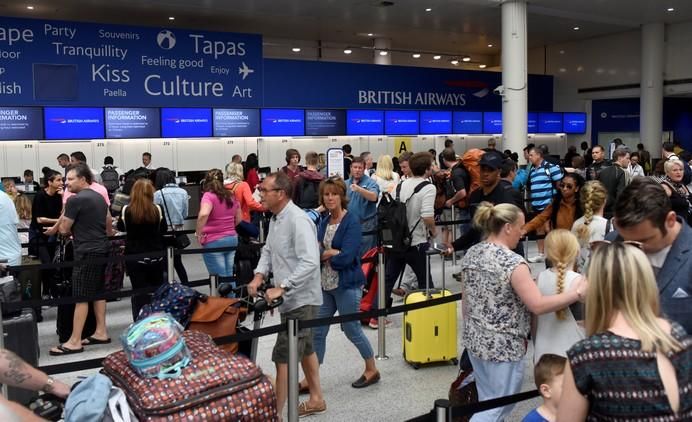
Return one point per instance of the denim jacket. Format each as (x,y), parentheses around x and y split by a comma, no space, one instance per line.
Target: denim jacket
(176,201)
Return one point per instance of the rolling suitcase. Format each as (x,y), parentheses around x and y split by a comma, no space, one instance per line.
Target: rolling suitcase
(430,334)
(21,337)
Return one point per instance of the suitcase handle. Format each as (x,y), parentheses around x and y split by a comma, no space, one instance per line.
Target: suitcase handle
(409,333)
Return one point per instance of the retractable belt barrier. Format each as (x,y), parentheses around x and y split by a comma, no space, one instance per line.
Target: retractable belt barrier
(116,237)
(453,413)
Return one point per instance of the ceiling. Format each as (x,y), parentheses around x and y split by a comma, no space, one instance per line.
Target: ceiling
(451,27)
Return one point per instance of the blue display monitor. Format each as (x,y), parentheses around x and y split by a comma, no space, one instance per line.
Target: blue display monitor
(186,122)
(73,123)
(532,123)
(549,122)
(21,123)
(364,122)
(236,122)
(399,122)
(325,122)
(283,122)
(492,122)
(435,122)
(133,123)
(468,122)
(574,122)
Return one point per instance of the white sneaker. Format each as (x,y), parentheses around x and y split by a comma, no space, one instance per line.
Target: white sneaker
(538,258)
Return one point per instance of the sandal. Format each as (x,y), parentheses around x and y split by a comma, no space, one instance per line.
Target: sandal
(304,409)
(65,351)
(90,341)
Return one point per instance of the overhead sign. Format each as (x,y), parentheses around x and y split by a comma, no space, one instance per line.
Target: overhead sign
(73,123)
(85,64)
(236,122)
(21,123)
(133,123)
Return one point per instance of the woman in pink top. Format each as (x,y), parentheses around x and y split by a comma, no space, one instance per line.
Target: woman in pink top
(234,182)
(218,215)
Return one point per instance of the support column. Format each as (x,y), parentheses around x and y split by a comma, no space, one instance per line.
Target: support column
(383,44)
(651,101)
(514,76)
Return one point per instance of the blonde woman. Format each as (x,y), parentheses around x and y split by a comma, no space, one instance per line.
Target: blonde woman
(634,365)
(680,196)
(558,331)
(592,226)
(241,190)
(385,176)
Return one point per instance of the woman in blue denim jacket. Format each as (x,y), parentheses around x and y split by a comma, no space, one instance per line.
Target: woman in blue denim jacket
(339,234)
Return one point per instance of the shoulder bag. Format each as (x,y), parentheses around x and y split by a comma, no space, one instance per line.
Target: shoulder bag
(176,239)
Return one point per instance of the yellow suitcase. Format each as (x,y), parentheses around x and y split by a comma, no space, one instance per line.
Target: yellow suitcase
(430,334)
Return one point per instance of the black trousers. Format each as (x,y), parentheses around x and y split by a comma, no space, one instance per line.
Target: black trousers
(396,262)
(144,275)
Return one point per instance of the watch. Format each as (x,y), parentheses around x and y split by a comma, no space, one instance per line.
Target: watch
(285,286)
(48,386)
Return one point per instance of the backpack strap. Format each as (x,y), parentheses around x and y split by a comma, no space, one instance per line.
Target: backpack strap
(398,190)
(609,226)
(417,189)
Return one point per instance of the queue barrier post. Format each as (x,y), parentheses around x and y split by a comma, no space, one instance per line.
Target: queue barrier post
(454,237)
(261,229)
(2,346)
(443,410)
(213,284)
(381,301)
(170,256)
(292,328)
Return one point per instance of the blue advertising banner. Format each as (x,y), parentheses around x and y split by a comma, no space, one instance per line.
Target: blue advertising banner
(73,123)
(549,122)
(306,84)
(278,122)
(21,123)
(492,122)
(325,122)
(364,122)
(574,123)
(186,122)
(434,122)
(401,122)
(46,62)
(133,123)
(468,122)
(236,122)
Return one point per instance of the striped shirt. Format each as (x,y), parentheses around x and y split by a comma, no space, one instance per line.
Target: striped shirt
(541,179)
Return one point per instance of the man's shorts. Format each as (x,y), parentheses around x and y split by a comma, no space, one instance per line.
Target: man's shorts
(87,277)
(305,336)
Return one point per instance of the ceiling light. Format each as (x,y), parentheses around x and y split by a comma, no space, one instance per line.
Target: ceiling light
(348,51)
(370,34)
(670,9)
(576,28)
(490,46)
(437,57)
(428,9)
(482,65)
(466,58)
(30,7)
(383,53)
(171,18)
(296,49)
(415,55)
(454,62)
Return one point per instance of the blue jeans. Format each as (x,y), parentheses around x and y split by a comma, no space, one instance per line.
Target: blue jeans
(493,380)
(346,301)
(220,263)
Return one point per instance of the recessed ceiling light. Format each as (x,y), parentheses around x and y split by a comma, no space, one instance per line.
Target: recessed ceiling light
(296,49)
(482,65)
(466,58)
(576,28)
(171,18)
(370,34)
(670,9)
(415,55)
(30,7)
(437,57)
(454,62)
(428,9)
(383,53)
(348,51)
(490,46)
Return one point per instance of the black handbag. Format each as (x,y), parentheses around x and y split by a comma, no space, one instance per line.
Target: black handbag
(175,239)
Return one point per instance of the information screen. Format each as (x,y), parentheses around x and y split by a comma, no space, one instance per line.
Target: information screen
(532,126)
(492,122)
(401,122)
(364,122)
(236,122)
(468,122)
(549,122)
(73,123)
(133,123)
(21,123)
(186,122)
(283,122)
(435,122)
(574,122)
(325,122)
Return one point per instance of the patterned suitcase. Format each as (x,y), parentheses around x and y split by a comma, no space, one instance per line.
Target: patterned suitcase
(215,386)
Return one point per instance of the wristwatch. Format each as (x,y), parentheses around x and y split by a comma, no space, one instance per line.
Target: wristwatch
(48,386)
(286,287)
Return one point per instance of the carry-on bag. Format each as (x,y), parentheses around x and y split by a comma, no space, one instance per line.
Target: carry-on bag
(115,269)
(218,317)
(430,334)
(21,337)
(369,269)
(215,385)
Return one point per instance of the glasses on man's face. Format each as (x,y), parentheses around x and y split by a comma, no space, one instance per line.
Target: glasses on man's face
(264,191)
(598,243)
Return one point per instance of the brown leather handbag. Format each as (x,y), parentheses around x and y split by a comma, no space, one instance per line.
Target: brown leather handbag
(218,317)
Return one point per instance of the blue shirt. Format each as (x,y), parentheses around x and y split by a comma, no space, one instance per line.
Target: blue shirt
(357,204)
(176,201)
(534,416)
(10,248)
(541,179)
(520,179)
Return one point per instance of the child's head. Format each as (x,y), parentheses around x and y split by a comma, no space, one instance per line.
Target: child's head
(562,248)
(23,206)
(548,374)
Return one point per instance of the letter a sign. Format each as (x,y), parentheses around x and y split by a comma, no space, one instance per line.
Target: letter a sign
(401,145)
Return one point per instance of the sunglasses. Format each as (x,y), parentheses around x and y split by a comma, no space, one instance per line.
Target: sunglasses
(598,243)
(566,186)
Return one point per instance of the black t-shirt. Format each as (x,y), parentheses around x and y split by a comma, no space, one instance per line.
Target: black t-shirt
(47,206)
(88,210)
(142,237)
(458,179)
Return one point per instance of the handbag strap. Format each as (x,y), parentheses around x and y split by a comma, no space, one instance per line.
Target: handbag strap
(165,207)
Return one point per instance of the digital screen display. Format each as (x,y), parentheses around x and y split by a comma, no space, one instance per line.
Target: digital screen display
(401,122)
(186,122)
(73,123)
(434,122)
(133,123)
(574,122)
(532,126)
(236,122)
(283,122)
(549,122)
(325,122)
(492,122)
(468,122)
(21,123)
(364,122)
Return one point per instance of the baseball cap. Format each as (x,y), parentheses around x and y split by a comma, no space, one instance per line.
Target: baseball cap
(492,160)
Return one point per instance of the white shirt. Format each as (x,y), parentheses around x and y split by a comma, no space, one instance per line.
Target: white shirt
(418,206)
(10,248)
(635,170)
(597,228)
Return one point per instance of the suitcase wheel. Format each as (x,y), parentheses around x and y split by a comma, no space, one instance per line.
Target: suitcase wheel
(455,361)
(416,366)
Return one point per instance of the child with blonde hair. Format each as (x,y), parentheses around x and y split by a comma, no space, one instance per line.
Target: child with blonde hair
(558,331)
(592,226)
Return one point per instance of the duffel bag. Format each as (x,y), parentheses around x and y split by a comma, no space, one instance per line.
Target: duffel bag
(215,386)
(218,317)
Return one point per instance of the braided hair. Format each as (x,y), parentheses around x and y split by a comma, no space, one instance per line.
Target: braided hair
(562,248)
(593,197)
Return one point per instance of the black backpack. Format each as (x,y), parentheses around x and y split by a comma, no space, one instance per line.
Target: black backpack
(110,179)
(309,194)
(393,222)
(132,176)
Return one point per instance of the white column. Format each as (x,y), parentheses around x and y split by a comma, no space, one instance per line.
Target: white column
(651,101)
(514,76)
(383,44)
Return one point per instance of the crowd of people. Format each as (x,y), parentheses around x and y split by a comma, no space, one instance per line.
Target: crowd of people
(629,298)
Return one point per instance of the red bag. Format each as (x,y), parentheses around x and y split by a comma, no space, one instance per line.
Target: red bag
(215,386)
(370,288)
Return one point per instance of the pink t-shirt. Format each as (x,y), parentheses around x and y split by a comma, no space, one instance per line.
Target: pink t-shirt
(221,222)
(100,189)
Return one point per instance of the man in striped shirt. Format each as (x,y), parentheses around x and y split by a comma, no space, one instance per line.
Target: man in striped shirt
(543,177)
